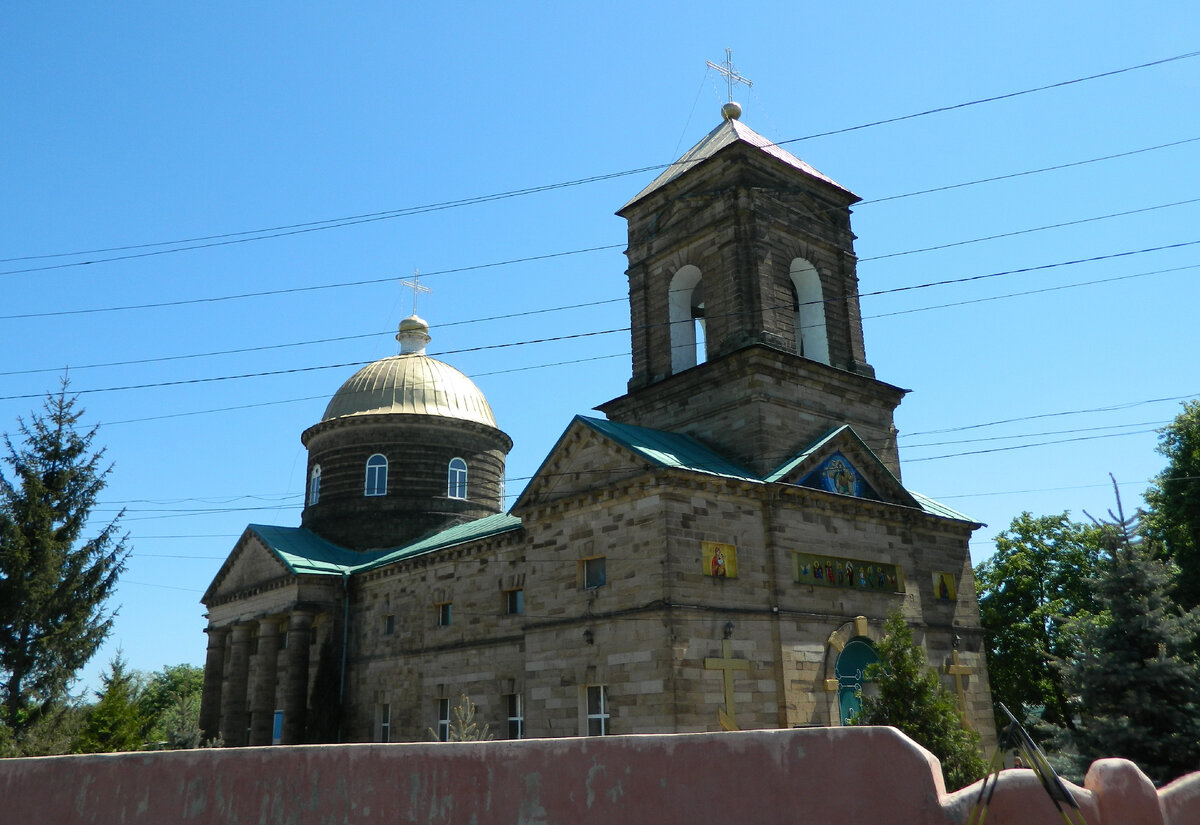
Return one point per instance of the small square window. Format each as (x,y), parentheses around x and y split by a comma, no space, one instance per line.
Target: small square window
(514,602)
(594,574)
(444,614)
(389,625)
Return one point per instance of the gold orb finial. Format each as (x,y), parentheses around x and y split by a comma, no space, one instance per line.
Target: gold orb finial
(731,110)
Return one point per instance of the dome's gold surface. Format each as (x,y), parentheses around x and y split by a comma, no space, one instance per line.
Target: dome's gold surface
(411,383)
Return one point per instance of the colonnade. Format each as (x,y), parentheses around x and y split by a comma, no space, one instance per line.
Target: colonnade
(254,670)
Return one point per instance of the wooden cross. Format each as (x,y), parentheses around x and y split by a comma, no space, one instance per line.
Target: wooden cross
(958,671)
(727,665)
(415,287)
(731,74)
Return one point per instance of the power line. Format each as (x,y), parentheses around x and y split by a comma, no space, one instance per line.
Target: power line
(343,284)
(1030,230)
(245,236)
(298,289)
(891,290)
(994,98)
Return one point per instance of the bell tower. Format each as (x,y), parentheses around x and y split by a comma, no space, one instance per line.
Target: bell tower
(746,328)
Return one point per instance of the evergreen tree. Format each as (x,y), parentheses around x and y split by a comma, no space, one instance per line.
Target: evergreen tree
(911,697)
(1173,520)
(1135,676)
(463,726)
(53,582)
(1037,579)
(115,722)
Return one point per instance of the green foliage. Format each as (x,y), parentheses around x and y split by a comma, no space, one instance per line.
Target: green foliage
(1136,676)
(53,582)
(116,721)
(463,727)
(170,704)
(1037,579)
(1173,520)
(911,697)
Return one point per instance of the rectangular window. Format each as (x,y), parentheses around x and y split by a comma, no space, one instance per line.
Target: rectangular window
(277,728)
(594,574)
(514,602)
(443,726)
(444,614)
(389,625)
(385,723)
(516,716)
(597,710)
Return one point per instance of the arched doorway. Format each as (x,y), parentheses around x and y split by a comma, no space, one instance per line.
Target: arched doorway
(851,670)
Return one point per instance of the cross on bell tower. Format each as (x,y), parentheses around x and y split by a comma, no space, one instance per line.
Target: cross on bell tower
(731,110)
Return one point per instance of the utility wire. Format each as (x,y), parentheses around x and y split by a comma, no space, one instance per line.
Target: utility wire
(909,288)
(245,236)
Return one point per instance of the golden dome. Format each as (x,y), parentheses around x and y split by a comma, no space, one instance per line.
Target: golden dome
(412,383)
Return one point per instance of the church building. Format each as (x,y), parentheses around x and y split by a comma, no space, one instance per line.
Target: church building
(718,551)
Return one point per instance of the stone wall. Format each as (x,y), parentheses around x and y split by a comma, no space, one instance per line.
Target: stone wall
(820,777)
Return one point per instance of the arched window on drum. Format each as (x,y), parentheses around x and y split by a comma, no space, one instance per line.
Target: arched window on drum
(376,481)
(456,479)
(314,485)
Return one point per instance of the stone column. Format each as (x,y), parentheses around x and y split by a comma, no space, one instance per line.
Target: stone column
(214,676)
(295,685)
(262,692)
(233,697)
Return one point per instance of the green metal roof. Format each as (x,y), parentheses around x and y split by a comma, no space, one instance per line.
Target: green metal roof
(665,449)
(938,509)
(459,534)
(306,553)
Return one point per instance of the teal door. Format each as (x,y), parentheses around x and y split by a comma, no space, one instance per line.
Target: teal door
(851,671)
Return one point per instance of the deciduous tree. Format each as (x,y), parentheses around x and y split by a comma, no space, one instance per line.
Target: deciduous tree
(1035,582)
(1173,519)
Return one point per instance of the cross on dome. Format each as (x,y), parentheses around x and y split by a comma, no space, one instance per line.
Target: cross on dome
(413,284)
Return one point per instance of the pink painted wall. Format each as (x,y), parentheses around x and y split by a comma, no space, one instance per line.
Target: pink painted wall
(819,776)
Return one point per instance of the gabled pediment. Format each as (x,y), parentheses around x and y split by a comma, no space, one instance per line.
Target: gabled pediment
(251,564)
(594,453)
(840,462)
(581,460)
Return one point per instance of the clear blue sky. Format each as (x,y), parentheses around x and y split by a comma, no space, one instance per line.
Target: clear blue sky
(142,123)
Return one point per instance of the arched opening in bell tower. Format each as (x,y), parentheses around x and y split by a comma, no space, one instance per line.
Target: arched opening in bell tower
(808,305)
(686,303)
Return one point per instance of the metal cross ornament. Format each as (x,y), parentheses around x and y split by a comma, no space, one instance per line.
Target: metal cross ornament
(730,73)
(416,288)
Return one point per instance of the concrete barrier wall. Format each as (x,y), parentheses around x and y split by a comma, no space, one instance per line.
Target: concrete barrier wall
(818,776)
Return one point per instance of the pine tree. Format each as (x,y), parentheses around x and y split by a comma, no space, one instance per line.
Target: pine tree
(54,583)
(115,722)
(911,697)
(1136,678)
(463,726)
